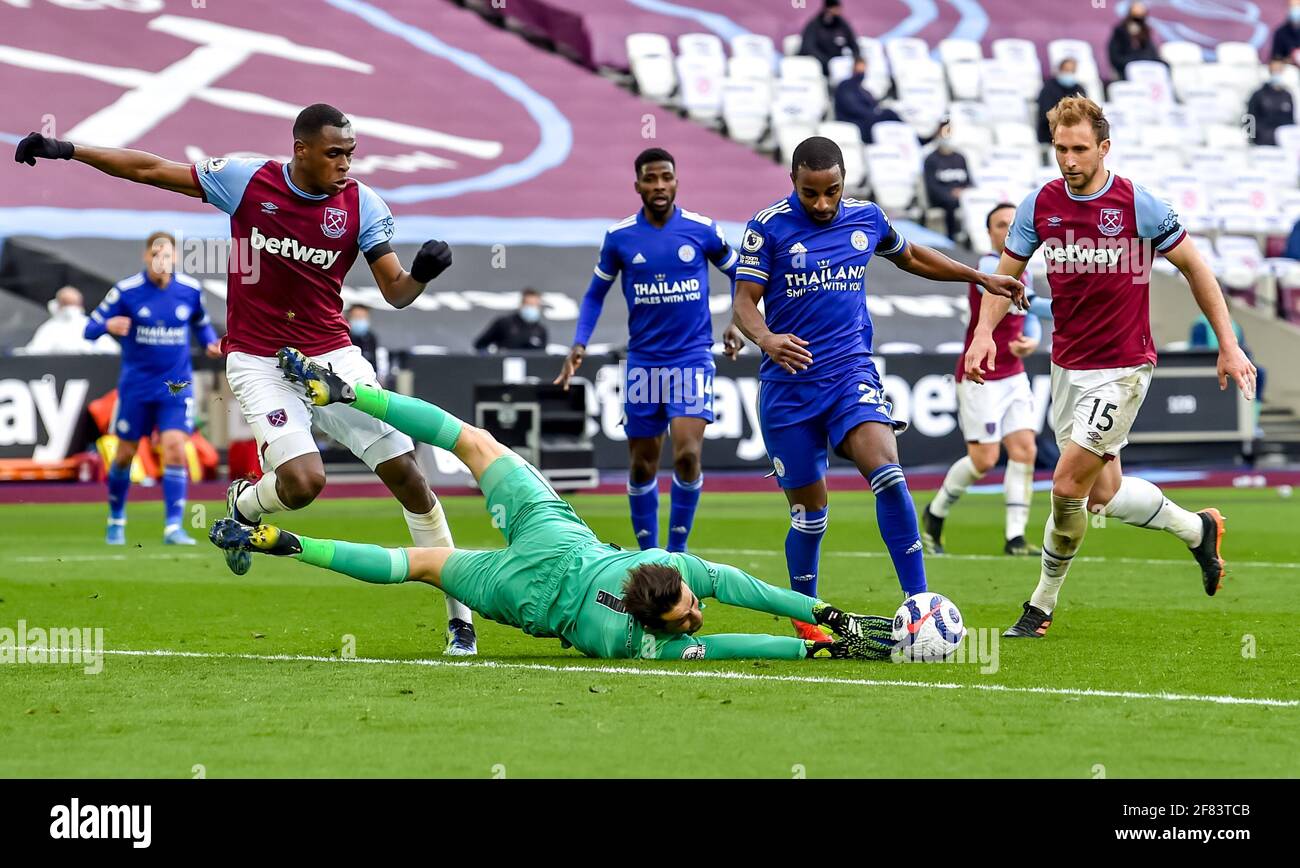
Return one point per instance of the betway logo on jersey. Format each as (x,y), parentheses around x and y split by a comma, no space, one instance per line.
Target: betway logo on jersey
(1084,255)
(291,248)
(845,278)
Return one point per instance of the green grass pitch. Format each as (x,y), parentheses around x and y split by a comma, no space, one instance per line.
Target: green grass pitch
(265,693)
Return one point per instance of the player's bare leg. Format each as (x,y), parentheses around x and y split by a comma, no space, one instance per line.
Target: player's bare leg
(1018,490)
(1140,503)
(1077,471)
(429,528)
(643,488)
(979,459)
(808,517)
(688,478)
(873,447)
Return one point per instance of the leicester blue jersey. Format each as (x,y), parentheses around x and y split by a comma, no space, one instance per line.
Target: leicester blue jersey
(666,284)
(156,351)
(814,279)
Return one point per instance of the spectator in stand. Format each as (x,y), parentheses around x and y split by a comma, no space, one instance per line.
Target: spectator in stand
(828,35)
(1132,40)
(946,177)
(854,104)
(1286,39)
(363,336)
(521,330)
(1271,106)
(64,331)
(1066,83)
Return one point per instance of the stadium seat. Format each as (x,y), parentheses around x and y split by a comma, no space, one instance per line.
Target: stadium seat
(1237,54)
(1154,76)
(745,109)
(1288,138)
(745,68)
(789,136)
(1178,53)
(1211,162)
(802,68)
(1131,94)
(968,137)
(1242,80)
(651,60)
(802,102)
(902,138)
(1192,204)
(754,45)
(1259,186)
(968,113)
(1210,104)
(1020,55)
(976,203)
(700,87)
(879,80)
(1163,139)
(1143,166)
(1276,163)
(1185,78)
(791,44)
(1224,137)
(849,139)
(839,69)
(1079,49)
(700,45)
(1005,103)
(961,62)
(904,52)
(923,104)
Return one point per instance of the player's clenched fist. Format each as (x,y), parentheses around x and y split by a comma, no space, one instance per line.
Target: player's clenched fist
(433,259)
(36,145)
(118,325)
(787,351)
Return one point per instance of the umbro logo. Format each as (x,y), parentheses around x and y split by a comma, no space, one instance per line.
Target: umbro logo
(269,207)
(638,259)
(798,248)
(1054,221)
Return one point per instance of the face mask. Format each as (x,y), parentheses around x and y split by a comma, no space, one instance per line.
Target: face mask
(361,328)
(1294,14)
(1067,79)
(1275,80)
(70,313)
(530,314)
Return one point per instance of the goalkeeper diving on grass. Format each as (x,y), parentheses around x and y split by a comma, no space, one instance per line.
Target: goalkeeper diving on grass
(554,578)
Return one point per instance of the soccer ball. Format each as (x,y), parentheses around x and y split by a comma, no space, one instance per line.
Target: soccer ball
(927,629)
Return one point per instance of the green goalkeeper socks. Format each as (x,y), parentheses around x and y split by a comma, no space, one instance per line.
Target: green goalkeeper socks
(368,563)
(419,419)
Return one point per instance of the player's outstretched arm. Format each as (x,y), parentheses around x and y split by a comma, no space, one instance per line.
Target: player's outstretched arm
(401,287)
(1209,298)
(931,264)
(993,307)
(141,167)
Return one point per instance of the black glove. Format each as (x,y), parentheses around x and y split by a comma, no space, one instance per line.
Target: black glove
(36,145)
(433,259)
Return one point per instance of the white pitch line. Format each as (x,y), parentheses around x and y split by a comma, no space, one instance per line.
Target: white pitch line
(1180,562)
(153,556)
(723,675)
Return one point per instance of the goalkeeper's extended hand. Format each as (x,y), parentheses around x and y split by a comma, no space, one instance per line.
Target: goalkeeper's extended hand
(850,625)
(36,145)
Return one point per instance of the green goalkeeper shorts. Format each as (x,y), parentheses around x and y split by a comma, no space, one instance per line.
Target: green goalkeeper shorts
(516,585)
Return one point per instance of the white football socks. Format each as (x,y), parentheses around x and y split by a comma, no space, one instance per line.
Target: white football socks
(960,476)
(1018,489)
(260,499)
(1061,538)
(1142,504)
(430,530)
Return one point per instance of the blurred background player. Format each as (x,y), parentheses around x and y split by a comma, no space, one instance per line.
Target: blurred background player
(663,252)
(153,313)
(1100,233)
(65,331)
(806,258)
(521,330)
(999,411)
(554,578)
(304,221)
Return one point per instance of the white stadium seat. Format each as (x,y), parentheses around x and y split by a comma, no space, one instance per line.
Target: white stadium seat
(839,69)
(901,138)
(1237,54)
(1259,188)
(1154,76)
(1179,53)
(745,109)
(905,51)
(789,136)
(1289,204)
(802,102)
(700,87)
(968,113)
(754,45)
(1186,78)
(651,59)
(963,79)
(1143,167)
(802,68)
(743,68)
(700,45)
(1010,134)
(849,139)
(1021,55)
(879,80)
(1225,137)
(1243,80)
(968,137)
(1005,103)
(1278,164)
(791,44)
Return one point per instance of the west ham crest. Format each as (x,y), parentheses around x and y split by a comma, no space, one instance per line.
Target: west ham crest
(335,222)
(1112,222)
(277,418)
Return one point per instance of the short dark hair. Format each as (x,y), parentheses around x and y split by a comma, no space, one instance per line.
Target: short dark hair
(359,306)
(529,291)
(653,155)
(314,118)
(155,237)
(988,220)
(817,154)
(650,591)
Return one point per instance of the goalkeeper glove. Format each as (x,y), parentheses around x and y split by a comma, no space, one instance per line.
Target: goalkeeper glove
(433,259)
(36,145)
(847,624)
